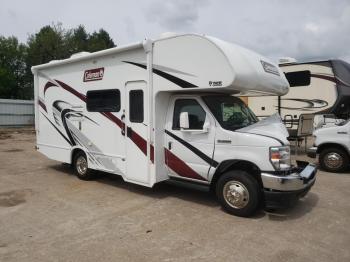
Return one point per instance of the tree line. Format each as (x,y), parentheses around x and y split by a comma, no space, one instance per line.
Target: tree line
(52,42)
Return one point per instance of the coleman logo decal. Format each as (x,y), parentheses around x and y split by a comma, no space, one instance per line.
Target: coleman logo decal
(94,74)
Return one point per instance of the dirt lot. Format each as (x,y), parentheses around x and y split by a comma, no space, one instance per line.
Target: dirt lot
(46,214)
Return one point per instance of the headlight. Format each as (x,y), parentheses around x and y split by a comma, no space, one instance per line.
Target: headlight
(280,157)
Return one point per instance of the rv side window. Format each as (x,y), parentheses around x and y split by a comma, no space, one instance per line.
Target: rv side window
(103,100)
(136,106)
(299,78)
(196,113)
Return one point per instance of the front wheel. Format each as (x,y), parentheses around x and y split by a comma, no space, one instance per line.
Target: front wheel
(334,160)
(238,193)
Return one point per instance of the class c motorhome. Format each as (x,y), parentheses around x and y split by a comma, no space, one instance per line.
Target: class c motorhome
(321,88)
(168,109)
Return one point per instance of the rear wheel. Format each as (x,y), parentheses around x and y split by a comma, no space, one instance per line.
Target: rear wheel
(238,193)
(81,168)
(334,159)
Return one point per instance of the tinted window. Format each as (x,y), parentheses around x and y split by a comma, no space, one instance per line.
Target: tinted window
(299,78)
(103,100)
(230,111)
(136,106)
(196,114)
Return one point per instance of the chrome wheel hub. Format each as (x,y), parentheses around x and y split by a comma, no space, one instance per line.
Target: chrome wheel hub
(82,165)
(333,160)
(236,194)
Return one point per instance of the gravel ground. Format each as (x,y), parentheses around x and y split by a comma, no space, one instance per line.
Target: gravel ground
(47,214)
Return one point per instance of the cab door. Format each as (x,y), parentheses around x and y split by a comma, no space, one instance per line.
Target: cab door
(189,153)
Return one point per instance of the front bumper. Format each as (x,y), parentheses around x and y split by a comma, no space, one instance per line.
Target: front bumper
(312,152)
(285,190)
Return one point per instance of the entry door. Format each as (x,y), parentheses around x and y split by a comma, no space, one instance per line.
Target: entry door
(189,153)
(136,132)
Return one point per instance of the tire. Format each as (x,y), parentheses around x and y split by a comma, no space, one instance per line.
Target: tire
(246,188)
(334,160)
(80,165)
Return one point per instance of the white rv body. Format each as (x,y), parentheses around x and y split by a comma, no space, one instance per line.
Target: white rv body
(137,138)
(327,91)
(332,144)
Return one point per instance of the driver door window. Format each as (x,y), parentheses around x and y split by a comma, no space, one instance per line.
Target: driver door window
(196,114)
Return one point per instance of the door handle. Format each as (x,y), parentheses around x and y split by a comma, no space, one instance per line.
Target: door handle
(169,145)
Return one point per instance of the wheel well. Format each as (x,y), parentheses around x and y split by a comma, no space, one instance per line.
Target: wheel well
(74,152)
(329,145)
(244,165)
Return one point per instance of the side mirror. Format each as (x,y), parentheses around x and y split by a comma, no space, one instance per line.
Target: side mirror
(206,127)
(184,120)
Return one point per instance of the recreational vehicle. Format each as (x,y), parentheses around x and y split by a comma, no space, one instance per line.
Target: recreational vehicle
(320,88)
(332,144)
(168,109)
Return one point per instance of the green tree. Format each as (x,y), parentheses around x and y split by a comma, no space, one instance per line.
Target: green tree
(77,40)
(52,42)
(13,83)
(46,45)
(99,41)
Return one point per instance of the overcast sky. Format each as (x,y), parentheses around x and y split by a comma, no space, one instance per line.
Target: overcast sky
(305,29)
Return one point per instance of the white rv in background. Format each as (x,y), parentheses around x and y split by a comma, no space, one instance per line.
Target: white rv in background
(166,109)
(320,88)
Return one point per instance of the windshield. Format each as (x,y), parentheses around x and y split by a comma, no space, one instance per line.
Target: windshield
(230,111)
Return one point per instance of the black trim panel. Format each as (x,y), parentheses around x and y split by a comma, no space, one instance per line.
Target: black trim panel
(199,153)
(178,81)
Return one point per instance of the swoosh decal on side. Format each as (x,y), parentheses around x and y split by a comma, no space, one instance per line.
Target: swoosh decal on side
(42,104)
(195,150)
(168,69)
(65,138)
(180,167)
(325,77)
(138,140)
(178,81)
(310,104)
(47,86)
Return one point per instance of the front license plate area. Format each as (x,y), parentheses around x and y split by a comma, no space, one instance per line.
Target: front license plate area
(308,171)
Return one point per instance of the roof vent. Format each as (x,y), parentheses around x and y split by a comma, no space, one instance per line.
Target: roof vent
(287,60)
(80,54)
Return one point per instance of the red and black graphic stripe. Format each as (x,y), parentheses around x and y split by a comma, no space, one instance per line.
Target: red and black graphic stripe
(152,153)
(177,81)
(180,167)
(139,141)
(325,77)
(42,105)
(195,150)
(48,85)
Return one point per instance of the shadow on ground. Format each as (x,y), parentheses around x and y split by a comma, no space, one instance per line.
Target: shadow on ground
(195,193)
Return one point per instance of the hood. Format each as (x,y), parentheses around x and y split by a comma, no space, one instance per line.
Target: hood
(271,126)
